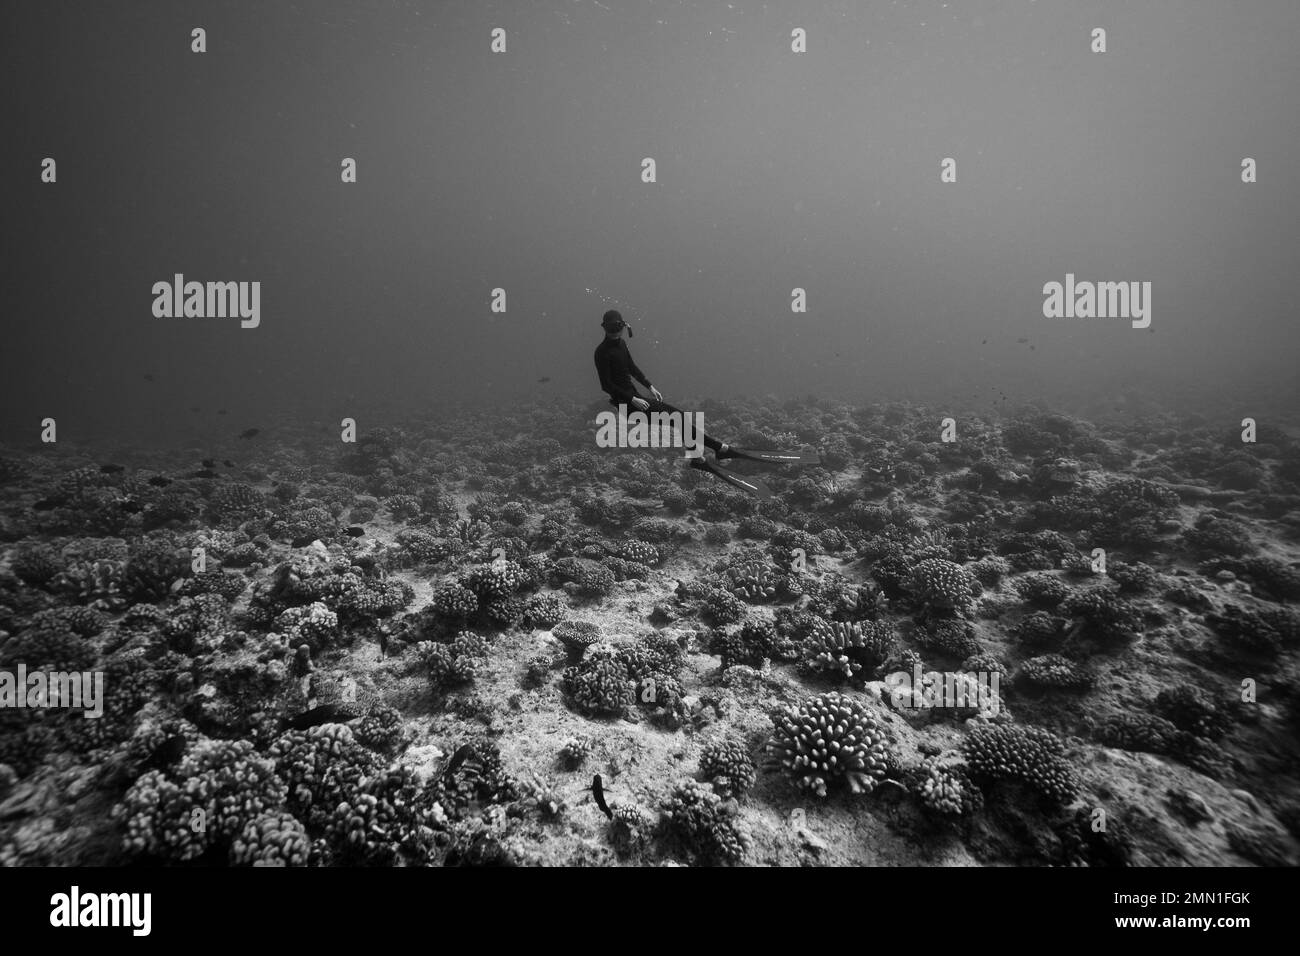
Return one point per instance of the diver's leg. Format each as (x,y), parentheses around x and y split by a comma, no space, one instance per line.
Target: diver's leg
(711,443)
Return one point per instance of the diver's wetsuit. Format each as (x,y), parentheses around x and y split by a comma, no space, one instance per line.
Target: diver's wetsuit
(616,369)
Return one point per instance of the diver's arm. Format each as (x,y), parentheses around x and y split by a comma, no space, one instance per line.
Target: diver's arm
(637,373)
(640,377)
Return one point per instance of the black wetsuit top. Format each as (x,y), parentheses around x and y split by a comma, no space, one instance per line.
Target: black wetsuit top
(616,369)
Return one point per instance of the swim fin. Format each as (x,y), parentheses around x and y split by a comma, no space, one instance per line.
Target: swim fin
(751,485)
(774,457)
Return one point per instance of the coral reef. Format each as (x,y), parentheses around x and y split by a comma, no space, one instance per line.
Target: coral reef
(421,650)
(828,739)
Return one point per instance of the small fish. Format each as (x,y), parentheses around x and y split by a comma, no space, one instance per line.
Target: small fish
(160,481)
(356,531)
(209,463)
(110,469)
(47,504)
(167,753)
(202,473)
(325,714)
(147,376)
(131,506)
(1022,340)
(544,378)
(459,757)
(598,794)
(985,342)
(1033,348)
(221,411)
(228,463)
(194,409)
(250,433)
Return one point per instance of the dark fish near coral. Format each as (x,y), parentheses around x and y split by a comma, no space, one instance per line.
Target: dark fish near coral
(598,794)
(166,753)
(209,463)
(356,531)
(131,506)
(228,463)
(48,504)
(160,481)
(325,714)
(111,469)
(202,473)
(250,433)
(459,757)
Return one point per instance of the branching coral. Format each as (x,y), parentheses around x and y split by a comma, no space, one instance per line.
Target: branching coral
(320,767)
(1133,578)
(1053,670)
(695,815)
(314,625)
(1193,710)
(454,663)
(948,790)
(1032,755)
(951,638)
(577,636)
(723,607)
(753,581)
(936,583)
(1038,628)
(641,552)
(848,648)
(600,685)
(453,602)
(544,611)
(991,569)
(274,838)
(828,739)
(387,817)
(1219,536)
(1042,589)
(496,580)
(1106,614)
(575,752)
(728,767)
(220,788)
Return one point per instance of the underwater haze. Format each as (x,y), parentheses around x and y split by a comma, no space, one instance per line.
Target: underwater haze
(522,171)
